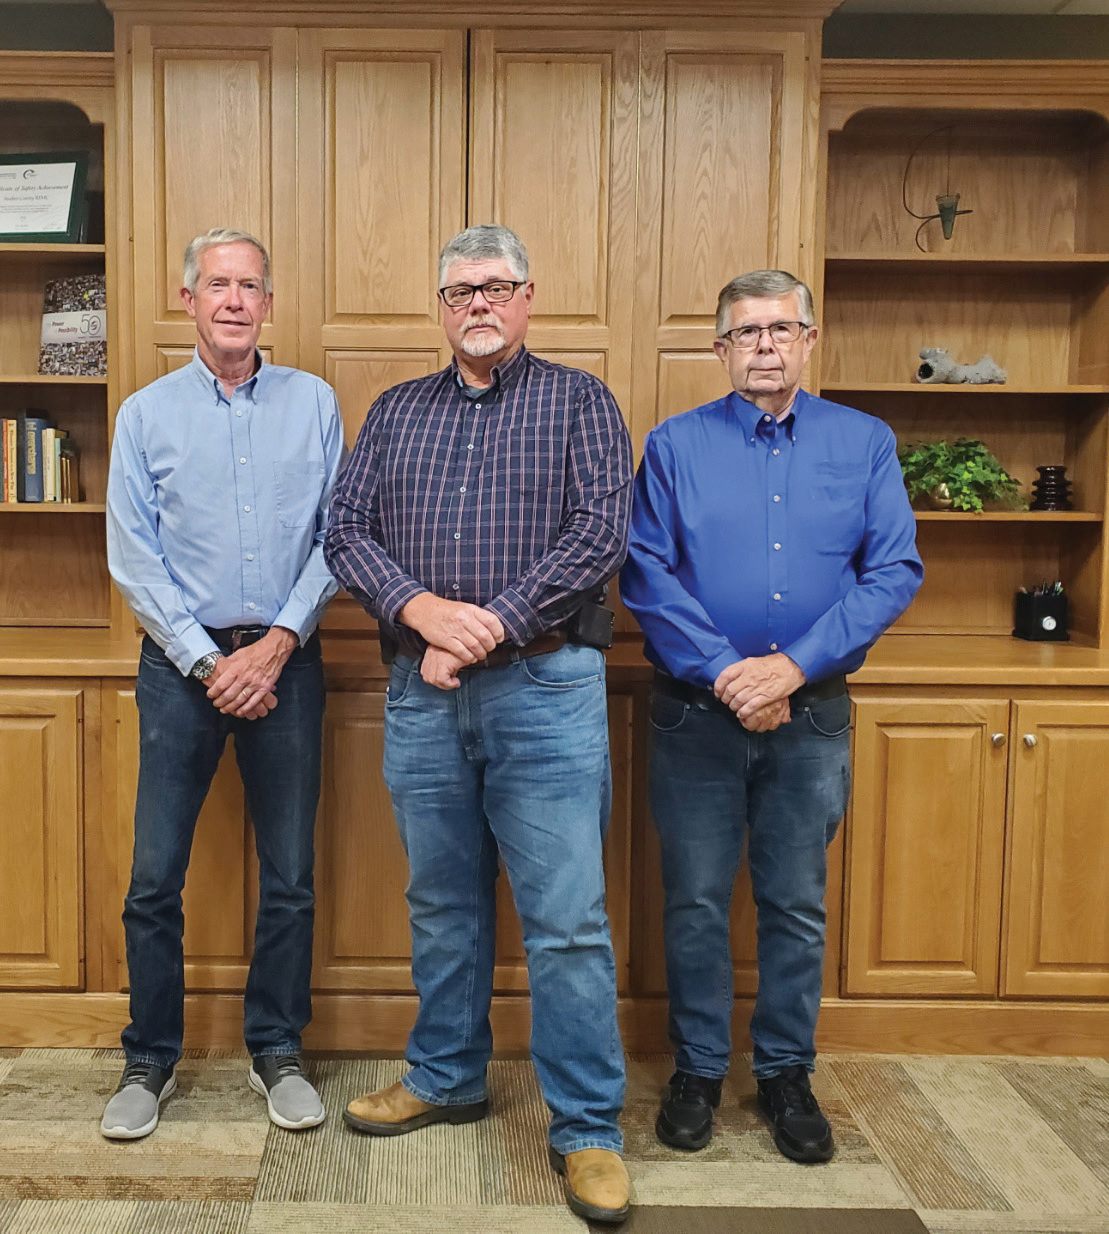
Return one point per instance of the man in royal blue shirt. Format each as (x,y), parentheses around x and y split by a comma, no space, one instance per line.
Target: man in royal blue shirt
(483,510)
(772,543)
(217,499)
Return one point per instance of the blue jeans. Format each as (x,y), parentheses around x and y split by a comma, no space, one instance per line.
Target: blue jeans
(181,739)
(514,761)
(712,782)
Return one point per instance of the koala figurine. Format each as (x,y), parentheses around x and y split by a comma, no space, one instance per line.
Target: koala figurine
(939,368)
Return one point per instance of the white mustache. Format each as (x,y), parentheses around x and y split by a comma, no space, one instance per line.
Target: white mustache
(474,322)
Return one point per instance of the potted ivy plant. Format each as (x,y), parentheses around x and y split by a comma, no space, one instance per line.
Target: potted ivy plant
(962,475)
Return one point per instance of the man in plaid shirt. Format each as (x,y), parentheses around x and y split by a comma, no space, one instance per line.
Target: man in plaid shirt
(482,512)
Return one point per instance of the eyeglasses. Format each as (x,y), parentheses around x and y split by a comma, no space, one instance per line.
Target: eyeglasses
(745,338)
(499,291)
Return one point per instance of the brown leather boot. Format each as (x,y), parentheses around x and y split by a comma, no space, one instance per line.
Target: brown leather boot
(596,1183)
(395,1111)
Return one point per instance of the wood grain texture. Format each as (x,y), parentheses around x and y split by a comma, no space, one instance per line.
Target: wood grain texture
(923,889)
(41,903)
(1056,927)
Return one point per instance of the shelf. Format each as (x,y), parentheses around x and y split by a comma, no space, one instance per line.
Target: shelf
(1006,516)
(916,387)
(41,379)
(10,249)
(52,507)
(956,262)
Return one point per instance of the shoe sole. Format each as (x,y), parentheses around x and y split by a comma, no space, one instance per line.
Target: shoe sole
(453,1114)
(137,1133)
(611,1216)
(675,1139)
(310,1120)
(817,1155)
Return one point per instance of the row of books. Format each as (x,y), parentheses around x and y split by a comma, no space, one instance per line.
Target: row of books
(40,463)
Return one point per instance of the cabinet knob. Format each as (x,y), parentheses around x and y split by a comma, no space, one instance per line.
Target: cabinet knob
(1030,740)
(998,740)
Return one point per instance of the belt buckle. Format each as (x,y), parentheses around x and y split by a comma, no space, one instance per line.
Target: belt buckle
(239,633)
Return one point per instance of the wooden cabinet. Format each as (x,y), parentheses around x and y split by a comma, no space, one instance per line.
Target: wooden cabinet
(51,103)
(1057,889)
(41,918)
(978,855)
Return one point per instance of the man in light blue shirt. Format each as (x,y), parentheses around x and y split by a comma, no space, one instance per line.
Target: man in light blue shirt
(772,542)
(218,490)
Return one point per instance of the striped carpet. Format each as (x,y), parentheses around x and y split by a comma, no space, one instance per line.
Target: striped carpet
(948,1145)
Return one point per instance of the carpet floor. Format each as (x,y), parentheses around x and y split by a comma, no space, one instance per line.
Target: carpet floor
(949,1145)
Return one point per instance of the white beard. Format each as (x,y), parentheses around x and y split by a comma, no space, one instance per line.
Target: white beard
(484,345)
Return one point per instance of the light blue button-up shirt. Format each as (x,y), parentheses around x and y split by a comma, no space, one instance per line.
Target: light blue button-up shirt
(217,507)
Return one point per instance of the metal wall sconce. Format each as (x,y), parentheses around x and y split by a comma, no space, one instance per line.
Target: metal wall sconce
(947,202)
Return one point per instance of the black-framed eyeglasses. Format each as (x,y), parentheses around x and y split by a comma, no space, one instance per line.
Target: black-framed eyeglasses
(745,338)
(498,291)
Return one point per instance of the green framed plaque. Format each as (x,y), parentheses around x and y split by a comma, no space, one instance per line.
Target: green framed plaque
(42,197)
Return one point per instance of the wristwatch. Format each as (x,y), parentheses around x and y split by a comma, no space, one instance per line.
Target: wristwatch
(205,666)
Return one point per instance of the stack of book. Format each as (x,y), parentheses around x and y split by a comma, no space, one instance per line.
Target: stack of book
(40,463)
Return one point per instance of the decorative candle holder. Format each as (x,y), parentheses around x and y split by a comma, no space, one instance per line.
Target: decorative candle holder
(1052,490)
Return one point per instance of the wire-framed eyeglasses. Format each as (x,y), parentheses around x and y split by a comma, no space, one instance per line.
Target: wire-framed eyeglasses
(745,338)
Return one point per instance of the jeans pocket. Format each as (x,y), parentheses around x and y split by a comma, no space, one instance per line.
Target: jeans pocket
(400,679)
(569,666)
(667,714)
(831,717)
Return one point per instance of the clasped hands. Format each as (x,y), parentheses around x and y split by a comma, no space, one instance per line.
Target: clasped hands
(456,634)
(242,684)
(757,690)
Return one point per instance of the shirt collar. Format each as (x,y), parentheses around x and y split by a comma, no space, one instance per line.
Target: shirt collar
(751,419)
(212,383)
(505,376)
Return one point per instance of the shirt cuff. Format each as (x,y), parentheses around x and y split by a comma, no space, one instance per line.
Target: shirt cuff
(394,596)
(299,618)
(715,667)
(188,647)
(519,619)
(808,658)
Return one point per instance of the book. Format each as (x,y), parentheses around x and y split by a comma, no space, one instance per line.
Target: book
(49,493)
(59,436)
(11,459)
(73,341)
(29,472)
(69,471)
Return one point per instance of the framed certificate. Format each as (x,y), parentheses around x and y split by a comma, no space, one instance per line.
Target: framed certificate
(42,197)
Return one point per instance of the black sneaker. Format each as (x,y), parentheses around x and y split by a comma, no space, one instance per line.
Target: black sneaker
(801,1131)
(685,1116)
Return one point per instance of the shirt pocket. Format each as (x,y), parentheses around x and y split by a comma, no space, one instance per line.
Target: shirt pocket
(837,509)
(297,487)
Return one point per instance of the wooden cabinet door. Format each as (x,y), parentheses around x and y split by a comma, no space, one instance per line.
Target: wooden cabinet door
(221,889)
(213,144)
(41,905)
(727,156)
(1056,931)
(924,846)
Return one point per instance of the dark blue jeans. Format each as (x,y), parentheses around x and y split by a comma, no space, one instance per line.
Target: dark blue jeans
(711,784)
(182,737)
(515,762)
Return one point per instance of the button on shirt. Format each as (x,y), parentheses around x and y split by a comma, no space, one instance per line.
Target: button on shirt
(751,536)
(217,507)
(514,497)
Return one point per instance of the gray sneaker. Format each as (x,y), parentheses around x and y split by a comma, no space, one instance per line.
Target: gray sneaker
(292,1101)
(133,1111)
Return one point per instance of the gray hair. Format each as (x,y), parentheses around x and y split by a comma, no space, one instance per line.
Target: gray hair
(763,285)
(486,242)
(222,235)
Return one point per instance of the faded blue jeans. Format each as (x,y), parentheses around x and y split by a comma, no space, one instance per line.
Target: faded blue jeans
(515,762)
(181,738)
(712,783)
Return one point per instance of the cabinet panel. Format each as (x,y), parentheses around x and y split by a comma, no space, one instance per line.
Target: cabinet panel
(220,900)
(553,153)
(41,910)
(925,846)
(725,127)
(382,160)
(238,88)
(1056,919)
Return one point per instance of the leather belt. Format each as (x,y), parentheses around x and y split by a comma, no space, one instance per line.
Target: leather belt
(811,692)
(509,653)
(234,637)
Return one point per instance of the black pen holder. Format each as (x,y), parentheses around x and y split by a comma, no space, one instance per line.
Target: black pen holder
(1040,617)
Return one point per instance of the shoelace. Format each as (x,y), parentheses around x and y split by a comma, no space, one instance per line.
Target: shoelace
(136,1073)
(287,1064)
(793,1094)
(690,1088)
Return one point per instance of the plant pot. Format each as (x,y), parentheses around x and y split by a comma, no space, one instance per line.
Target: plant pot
(939,498)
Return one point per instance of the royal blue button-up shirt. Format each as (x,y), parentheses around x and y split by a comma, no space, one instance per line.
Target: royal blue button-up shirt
(751,536)
(217,506)
(515,498)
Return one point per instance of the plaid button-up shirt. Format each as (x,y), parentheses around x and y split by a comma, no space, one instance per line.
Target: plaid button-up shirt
(515,498)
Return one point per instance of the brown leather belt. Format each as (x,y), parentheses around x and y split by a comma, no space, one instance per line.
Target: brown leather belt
(811,692)
(234,637)
(509,653)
